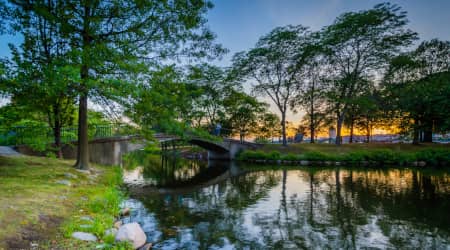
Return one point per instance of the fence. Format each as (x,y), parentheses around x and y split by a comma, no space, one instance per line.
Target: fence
(44,135)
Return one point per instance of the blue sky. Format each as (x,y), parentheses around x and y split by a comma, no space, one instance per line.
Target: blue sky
(239,23)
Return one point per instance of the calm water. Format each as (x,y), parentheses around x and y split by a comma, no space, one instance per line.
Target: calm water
(195,205)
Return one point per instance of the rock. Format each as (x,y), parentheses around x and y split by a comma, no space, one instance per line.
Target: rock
(64,182)
(86,218)
(304,163)
(118,224)
(133,233)
(337,163)
(328,163)
(83,171)
(111,231)
(70,175)
(126,211)
(147,246)
(421,164)
(84,236)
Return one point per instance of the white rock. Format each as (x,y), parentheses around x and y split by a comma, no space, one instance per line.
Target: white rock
(70,175)
(304,163)
(64,182)
(84,236)
(86,218)
(133,233)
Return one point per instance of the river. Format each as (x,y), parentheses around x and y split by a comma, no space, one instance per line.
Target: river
(188,204)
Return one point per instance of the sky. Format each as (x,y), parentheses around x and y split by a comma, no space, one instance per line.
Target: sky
(239,24)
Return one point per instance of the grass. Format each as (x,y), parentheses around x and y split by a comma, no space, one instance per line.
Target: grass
(34,208)
(432,154)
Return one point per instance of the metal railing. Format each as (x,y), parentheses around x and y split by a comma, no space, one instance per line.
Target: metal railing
(27,135)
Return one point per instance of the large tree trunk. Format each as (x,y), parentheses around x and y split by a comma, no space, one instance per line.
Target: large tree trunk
(83,151)
(340,121)
(283,127)
(57,131)
(352,121)
(416,133)
(311,123)
(368,131)
(83,143)
(428,132)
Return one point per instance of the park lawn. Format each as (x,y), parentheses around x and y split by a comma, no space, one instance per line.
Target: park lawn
(301,148)
(34,208)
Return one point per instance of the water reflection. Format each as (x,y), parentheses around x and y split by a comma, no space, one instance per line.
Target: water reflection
(298,209)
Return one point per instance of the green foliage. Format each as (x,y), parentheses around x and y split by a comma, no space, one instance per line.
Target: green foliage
(417,89)
(276,64)
(356,45)
(433,157)
(317,156)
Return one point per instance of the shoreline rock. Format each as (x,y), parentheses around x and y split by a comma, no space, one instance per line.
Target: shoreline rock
(133,233)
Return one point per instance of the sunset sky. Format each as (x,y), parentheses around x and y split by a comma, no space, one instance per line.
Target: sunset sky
(239,23)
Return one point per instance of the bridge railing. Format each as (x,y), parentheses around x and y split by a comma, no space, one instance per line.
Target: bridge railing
(33,135)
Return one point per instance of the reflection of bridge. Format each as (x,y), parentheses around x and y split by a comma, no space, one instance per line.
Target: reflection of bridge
(226,149)
(216,172)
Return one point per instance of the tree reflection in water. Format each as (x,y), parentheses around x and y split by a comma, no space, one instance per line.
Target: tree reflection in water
(301,208)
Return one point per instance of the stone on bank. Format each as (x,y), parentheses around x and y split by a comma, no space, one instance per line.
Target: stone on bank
(133,233)
(84,236)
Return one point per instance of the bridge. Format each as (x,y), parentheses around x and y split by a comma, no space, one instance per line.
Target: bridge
(226,149)
(109,142)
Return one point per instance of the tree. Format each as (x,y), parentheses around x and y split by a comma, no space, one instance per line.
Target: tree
(165,102)
(416,87)
(112,40)
(277,65)
(40,77)
(214,85)
(269,126)
(357,45)
(311,96)
(242,112)
(367,112)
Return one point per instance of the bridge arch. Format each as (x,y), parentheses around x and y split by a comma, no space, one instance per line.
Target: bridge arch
(224,150)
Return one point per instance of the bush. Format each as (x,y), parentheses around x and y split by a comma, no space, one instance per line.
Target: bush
(317,156)
(381,155)
(434,156)
(259,155)
(290,157)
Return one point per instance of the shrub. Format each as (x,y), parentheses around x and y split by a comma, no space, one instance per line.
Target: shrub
(434,156)
(316,156)
(290,157)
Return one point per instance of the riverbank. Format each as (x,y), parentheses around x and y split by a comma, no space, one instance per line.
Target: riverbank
(45,200)
(350,154)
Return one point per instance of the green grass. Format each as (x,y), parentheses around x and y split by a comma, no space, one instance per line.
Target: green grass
(33,202)
(399,154)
